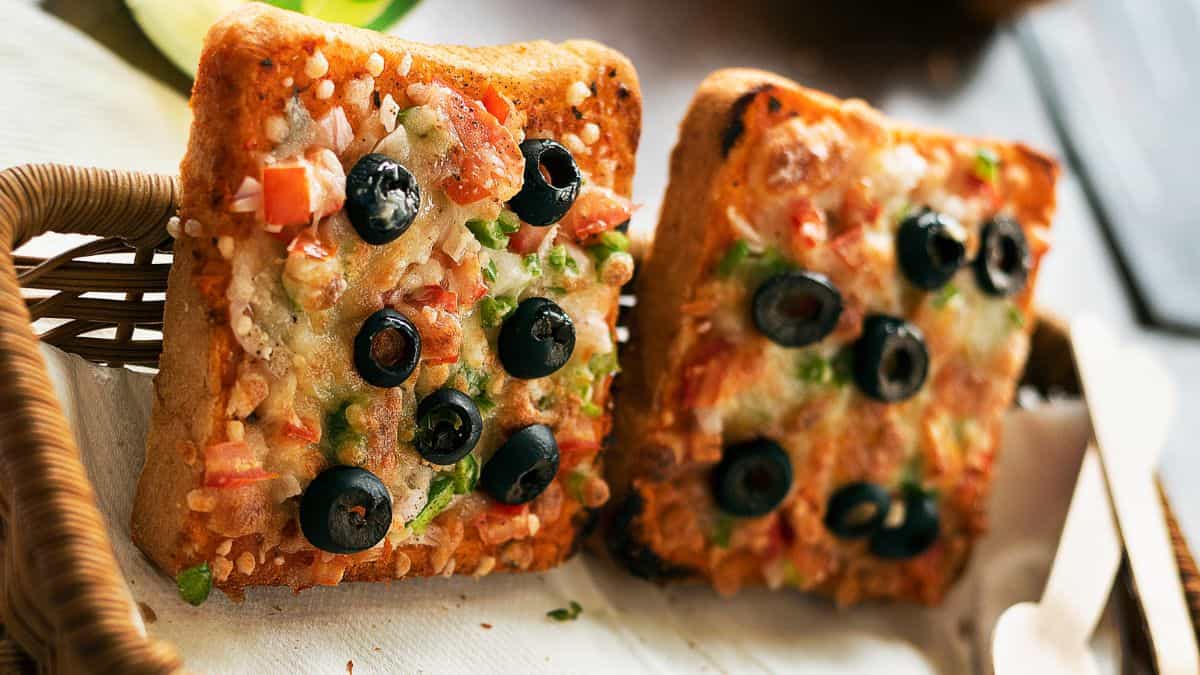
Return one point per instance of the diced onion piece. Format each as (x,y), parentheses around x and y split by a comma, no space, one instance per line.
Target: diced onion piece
(388,110)
(336,132)
(248,197)
(745,230)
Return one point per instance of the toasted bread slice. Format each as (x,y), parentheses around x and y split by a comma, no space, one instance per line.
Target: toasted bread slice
(781,352)
(262,389)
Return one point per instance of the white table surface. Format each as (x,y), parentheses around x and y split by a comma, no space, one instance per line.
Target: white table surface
(67,99)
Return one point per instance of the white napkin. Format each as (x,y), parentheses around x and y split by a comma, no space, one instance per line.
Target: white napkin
(499,623)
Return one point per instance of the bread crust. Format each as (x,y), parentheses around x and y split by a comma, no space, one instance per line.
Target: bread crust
(245,57)
(655,459)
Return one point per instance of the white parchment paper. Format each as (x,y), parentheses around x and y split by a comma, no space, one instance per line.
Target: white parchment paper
(498,624)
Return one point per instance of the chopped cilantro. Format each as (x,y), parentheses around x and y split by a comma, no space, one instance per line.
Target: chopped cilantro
(609,243)
(734,256)
(604,364)
(339,438)
(740,258)
(815,369)
(944,296)
(489,233)
(772,262)
(843,367)
(441,491)
(532,264)
(484,403)
(568,613)
(575,481)
(557,290)
(558,257)
(466,475)
(492,311)
(589,408)
(489,271)
(1015,317)
(722,531)
(987,165)
(546,402)
(194,584)
(791,575)
(508,222)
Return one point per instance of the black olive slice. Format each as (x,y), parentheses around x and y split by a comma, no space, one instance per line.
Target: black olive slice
(448,426)
(915,534)
(536,339)
(890,359)
(752,478)
(387,348)
(1003,264)
(345,509)
(382,198)
(857,510)
(552,181)
(522,467)
(931,247)
(796,308)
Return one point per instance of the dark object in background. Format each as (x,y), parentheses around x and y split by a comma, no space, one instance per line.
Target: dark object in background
(1119,80)
(999,10)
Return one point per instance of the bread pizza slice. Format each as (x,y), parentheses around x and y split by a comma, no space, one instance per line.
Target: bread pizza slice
(828,327)
(389,333)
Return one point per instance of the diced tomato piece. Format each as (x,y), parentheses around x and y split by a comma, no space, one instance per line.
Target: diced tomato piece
(302,430)
(572,451)
(232,464)
(502,509)
(232,480)
(596,209)
(434,296)
(703,374)
(527,239)
(487,161)
(495,104)
(287,194)
(808,225)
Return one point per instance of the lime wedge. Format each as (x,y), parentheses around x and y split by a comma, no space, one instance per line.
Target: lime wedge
(178,28)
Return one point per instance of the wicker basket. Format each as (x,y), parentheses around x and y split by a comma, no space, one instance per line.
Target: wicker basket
(63,604)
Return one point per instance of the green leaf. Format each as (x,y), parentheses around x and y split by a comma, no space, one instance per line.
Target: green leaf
(734,256)
(568,613)
(987,165)
(441,491)
(492,311)
(532,264)
(466,475)
(484,403)
(590,408)
(723,531)
(488,232)
(944,296)
(489,271)
(195,583)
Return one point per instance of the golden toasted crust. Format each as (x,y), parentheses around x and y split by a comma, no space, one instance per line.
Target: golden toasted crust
(245,58)
(654,463)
